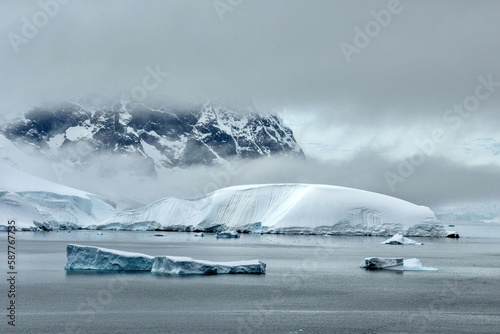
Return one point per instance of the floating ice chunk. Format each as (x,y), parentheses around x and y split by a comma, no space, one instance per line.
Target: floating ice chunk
(172,265)
(416,265)
(372,263)
(256,227)
(399,264)
(399,239)
(227,234)
(199,234)
(95,258)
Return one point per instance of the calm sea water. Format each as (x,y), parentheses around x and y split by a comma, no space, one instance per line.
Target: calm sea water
(313,285)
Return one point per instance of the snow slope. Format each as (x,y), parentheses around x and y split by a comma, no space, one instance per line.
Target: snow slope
(34,202)
(287,208)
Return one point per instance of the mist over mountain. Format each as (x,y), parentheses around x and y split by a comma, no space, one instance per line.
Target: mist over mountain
(146,138)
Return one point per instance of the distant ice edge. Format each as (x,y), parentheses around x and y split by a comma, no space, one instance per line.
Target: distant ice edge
(103,259)
(344,229)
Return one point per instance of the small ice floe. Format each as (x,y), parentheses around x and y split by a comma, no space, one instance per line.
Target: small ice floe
(398,264)
(415,265)
(158,235)
(227,234)
(199,234)
(372,263)
(399,239)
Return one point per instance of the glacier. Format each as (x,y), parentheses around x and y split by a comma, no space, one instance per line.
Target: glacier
(104,259)
(286,208)
(487,211)
(96,258)
(38,204)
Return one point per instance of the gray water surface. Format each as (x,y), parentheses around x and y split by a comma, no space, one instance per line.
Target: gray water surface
(313,284)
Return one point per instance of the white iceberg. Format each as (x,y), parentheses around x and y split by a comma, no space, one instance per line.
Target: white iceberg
(173,265)
(289,208)
(96,258)
(399,264)
(399,239)
(415,265)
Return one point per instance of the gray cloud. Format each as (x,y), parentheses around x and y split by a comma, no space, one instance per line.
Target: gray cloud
(276,53)
(282,54)
(436,183)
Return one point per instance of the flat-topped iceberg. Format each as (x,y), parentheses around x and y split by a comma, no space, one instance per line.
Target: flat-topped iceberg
(399,264)
(172,265)
(399,239)
(103,259)
(95,258)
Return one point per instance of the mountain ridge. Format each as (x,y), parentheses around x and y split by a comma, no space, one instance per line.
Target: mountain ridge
(154,137)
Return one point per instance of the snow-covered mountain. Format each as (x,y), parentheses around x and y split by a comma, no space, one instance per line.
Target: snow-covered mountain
(147,138)
(285,208)
(472,212)
(36,203)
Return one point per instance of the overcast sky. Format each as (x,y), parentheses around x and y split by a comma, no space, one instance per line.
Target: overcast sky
(367,107)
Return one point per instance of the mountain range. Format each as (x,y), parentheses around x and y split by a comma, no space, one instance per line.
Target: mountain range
(147,138)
